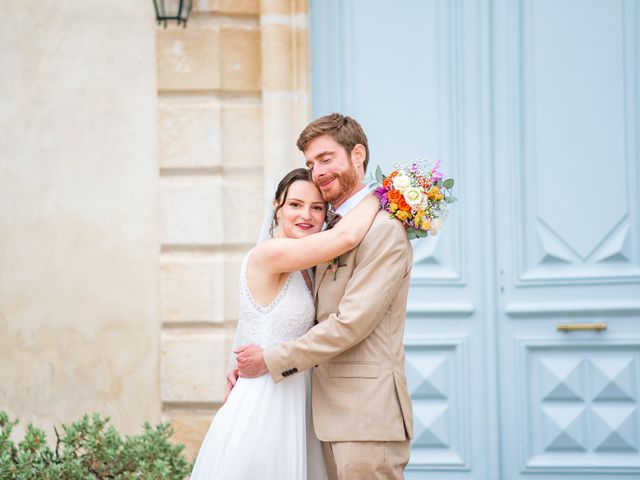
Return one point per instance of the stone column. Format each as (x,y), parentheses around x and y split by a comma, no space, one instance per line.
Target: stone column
(285,84)
(232,97)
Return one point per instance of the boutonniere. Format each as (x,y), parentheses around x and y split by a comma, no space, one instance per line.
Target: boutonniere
(333,266)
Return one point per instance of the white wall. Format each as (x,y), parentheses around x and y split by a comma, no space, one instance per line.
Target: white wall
(79,239)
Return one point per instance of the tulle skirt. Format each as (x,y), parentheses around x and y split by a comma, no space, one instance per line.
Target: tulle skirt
(264,431)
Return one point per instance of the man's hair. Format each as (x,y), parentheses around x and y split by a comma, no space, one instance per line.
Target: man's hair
(344,130)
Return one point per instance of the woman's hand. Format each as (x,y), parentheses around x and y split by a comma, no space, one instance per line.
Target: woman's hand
(232,378)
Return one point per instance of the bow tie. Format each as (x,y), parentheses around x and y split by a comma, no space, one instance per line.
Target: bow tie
(332,219)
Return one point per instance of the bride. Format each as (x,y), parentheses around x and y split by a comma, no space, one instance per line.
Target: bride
(264,429)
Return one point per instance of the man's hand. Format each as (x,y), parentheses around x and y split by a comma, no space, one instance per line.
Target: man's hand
(250,361)
(232,378)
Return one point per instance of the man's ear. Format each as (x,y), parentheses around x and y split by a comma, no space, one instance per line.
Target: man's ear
(358,155)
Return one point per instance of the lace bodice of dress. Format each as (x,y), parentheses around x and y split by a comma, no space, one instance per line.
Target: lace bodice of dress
(288,316)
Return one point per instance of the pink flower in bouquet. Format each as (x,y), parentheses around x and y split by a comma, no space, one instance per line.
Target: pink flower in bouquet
(435,175)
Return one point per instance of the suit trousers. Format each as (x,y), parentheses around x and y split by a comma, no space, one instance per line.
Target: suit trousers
(366,460)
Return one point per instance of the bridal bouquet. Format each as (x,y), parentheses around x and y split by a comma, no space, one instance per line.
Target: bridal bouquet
(416,194)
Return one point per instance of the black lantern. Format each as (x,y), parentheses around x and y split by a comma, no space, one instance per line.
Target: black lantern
(167,10)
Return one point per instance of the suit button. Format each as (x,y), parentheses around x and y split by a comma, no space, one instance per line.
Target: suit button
(294,370)
(315,322)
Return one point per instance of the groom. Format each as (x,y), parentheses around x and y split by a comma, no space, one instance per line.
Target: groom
(361,405)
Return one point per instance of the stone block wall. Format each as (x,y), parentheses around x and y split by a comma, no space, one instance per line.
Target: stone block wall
(233,94)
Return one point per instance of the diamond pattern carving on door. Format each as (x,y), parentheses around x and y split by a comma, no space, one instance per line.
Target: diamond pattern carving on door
(562,378)
(435,379)
(615,428)
(613,248)
(579,407)
(564,427)
(613,378)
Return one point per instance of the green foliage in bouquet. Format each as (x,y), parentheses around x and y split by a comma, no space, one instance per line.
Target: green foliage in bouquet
(91,449)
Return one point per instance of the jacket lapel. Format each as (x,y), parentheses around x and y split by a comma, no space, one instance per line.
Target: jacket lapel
(320,271)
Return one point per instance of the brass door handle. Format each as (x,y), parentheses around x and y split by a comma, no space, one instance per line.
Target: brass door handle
(570,327)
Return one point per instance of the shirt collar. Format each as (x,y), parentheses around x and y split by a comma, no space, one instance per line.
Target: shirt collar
(352,201)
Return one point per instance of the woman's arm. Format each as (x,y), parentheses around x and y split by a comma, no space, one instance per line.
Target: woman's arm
(281,255)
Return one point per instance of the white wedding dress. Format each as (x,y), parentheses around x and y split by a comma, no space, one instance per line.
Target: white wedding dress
(264,430)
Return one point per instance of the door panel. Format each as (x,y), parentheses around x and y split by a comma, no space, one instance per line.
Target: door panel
(581,406)
(437,377)
(567,129)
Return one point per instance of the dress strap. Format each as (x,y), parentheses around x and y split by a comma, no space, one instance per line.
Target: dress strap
(244,282)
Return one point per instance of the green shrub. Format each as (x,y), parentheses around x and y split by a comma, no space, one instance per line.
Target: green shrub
(91,449)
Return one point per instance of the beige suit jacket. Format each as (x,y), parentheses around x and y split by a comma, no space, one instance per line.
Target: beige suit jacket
(359,386)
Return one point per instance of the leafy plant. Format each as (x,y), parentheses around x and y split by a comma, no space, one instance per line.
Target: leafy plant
(91,449)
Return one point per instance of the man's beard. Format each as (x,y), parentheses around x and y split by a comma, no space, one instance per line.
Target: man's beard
(347,181)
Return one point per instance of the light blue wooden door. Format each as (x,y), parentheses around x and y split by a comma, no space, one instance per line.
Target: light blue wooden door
(566,135)
(533,108)
(398,68)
